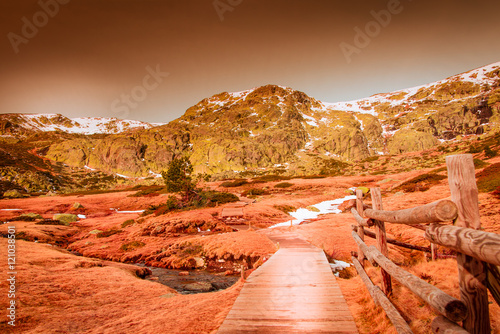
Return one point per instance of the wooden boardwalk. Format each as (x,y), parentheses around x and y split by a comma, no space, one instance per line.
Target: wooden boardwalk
(295,291)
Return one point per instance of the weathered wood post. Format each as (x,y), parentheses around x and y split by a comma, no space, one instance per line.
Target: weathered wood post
(361,230)
(433,251)
(381,238)
(472,273)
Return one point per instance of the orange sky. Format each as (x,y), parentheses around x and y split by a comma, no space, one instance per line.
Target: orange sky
(98,57)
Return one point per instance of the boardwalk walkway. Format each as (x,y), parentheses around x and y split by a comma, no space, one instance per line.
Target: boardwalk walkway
(293,292)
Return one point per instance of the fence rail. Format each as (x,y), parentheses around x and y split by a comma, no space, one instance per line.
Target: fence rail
(476,250)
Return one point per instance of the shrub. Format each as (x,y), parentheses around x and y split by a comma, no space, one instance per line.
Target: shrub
(371,159)
(254,192)
(421,183)
(127,223)
(27,217)
(148,191)
(478,163)
(212,198)
(108,233)
(285,208)
(172,203)
(489,153)
(129,246)
(474,149)
(306,177)
(235,183)
(489,178)
(50,222)
(283,185)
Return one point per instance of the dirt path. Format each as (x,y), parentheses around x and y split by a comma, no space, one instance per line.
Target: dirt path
(293,292)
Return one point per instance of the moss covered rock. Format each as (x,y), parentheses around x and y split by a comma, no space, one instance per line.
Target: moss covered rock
(65,218)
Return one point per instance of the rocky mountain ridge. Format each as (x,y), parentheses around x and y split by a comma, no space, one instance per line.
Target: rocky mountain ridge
(276,129)
(20,125)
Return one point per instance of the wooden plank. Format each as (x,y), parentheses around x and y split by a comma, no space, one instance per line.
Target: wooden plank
(440,211)
(472,273)
(381,299)
(448,306)
(381,238)
(295,291)
(484,246)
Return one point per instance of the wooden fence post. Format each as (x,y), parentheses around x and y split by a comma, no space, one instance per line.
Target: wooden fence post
(381,239)
(361,230)
(433,251)
(472,273)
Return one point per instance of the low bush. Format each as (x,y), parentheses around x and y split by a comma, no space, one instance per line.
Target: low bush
(129,246)
(201,199)
(421,183)
(235,183)
(148,191)
(478,163)
(489,178)
(283,185)
(270,178)
(254,192)
(128,222)
(474,148)
(108,233)
(489,153)
(212,198)
(27,217)
(306,177)
(285,208)
(50,222)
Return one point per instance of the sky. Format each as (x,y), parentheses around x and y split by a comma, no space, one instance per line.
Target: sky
(150,60)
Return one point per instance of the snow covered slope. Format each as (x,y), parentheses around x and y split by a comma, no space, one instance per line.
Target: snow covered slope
(22,123)
(482,77)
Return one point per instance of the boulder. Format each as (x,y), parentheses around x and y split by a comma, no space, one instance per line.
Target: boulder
(199,287)
(77,206)
(200,262)
(65,218)
(13,193)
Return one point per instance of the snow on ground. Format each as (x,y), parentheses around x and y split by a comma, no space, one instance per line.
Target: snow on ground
(325,207)
(310,120)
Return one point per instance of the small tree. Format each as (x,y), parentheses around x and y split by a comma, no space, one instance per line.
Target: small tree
(178,176)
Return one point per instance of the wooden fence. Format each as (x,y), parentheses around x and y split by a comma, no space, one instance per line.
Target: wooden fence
(476,250)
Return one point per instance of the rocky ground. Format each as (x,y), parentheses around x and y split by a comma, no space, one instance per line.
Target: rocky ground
(101,291)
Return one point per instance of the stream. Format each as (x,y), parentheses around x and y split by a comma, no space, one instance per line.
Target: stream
(192,281)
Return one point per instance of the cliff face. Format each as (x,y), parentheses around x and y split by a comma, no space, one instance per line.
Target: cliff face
(273,128)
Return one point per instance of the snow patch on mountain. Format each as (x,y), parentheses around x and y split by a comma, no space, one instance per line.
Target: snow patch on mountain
(80,125)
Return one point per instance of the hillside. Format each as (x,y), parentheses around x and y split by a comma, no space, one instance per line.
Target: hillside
(271,129)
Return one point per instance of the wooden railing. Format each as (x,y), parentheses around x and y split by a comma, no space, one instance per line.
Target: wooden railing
(476,250)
